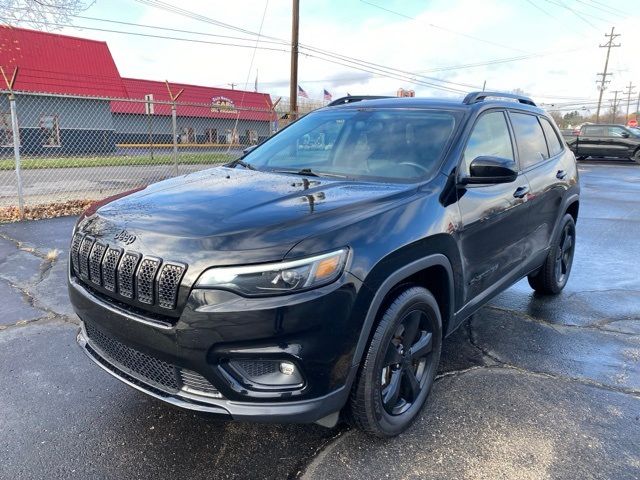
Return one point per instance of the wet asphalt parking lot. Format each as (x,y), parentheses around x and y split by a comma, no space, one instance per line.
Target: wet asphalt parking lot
(529,388)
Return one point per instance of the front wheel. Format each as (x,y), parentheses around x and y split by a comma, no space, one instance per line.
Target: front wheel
(399,366)
(554,273)
(636,156)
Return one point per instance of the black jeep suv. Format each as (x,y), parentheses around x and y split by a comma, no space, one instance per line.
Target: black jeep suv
(317,275)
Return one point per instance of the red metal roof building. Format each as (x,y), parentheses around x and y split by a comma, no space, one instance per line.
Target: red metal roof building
(78,102)
(221,102)
(54,63)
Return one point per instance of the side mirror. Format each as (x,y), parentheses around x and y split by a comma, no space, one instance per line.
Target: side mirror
(490,170)
(248,149)
(624,134)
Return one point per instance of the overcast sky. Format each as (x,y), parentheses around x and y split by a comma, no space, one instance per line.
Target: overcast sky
(558,39)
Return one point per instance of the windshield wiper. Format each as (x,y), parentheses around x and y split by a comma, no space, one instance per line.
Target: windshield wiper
(242,163)
(310,173)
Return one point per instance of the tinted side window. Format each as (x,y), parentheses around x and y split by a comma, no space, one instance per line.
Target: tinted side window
(616,131)
(532,146)
(490,137)
(593,131)
(555,147)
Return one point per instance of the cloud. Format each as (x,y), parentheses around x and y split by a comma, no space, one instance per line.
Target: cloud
(443,34)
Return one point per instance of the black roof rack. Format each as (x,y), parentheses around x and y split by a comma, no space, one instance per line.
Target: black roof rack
(355,98)
(475,97)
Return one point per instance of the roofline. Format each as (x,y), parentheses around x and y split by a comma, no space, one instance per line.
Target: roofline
(189,85)
(30,30)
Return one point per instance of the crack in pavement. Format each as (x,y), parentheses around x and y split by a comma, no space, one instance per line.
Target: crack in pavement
(559,326)
(504,364)
(39,321)
(21,246)
(32,302)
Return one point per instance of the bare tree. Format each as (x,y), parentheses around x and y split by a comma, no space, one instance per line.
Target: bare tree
(42,14)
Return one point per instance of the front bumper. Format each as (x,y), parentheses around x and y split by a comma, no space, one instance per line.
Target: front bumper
(313,330)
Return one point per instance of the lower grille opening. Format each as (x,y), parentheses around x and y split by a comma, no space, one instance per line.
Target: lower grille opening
(146,369)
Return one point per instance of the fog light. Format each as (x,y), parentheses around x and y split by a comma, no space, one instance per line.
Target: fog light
(266,373)
(287,368)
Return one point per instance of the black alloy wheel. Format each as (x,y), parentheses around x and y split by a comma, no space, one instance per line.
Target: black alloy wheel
(399,366)
(406,363)
(553,275)
(564,255)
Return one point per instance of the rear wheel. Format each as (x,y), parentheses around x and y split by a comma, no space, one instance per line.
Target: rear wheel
(399,366)
(554,273)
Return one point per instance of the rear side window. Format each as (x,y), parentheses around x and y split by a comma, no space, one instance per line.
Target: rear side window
(555,147)
(490,137)
(532,146)
(591,131)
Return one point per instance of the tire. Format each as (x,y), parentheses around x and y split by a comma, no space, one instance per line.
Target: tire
(552,277)
(388,365)
(636,156)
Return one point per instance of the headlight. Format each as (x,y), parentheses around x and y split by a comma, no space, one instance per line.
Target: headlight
(277,278)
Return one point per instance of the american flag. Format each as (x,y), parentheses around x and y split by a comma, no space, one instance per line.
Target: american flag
(302,93)
(327,95)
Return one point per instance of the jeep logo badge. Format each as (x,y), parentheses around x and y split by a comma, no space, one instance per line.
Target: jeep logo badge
(125,237)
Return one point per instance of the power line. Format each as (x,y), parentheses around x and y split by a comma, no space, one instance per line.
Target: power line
(149,35)
(193,15)
(609,7)
(363,65)
(600,9)
(477,39)
(575,12)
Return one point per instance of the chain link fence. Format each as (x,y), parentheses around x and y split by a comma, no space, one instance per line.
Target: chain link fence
(56,148)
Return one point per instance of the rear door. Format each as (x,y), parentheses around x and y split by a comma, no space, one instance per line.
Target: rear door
(592,141)
(542,159)
(493,217)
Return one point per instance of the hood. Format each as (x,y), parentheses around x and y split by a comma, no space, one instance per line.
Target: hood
(235,210)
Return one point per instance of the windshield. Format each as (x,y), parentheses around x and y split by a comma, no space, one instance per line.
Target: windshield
(386,144)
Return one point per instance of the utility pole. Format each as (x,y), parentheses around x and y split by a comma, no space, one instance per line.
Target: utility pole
(628,93)
(614,105)
(232,85)
(603,82)
(638,107)
(293,87)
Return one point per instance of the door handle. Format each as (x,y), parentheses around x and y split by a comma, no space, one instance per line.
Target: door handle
(521,191)
(561,175)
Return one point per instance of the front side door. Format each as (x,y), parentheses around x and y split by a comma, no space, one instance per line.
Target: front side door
(618,143)
(493,217)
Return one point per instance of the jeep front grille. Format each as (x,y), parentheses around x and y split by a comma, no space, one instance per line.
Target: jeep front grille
(127,274)
(85,250)
(146,279)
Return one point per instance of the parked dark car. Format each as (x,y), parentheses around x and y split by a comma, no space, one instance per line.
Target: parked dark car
(316,277)
(605,140)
